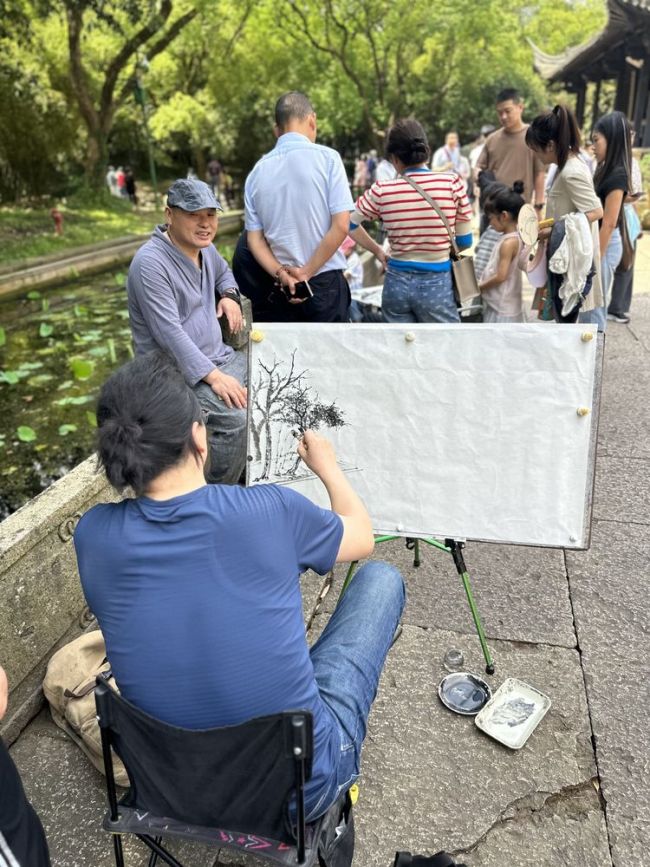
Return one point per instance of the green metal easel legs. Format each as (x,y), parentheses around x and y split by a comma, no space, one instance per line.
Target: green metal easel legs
(450,546)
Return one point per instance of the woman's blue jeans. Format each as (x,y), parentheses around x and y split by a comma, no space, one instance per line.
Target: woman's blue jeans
(418,296)
(348,659)
(608,265)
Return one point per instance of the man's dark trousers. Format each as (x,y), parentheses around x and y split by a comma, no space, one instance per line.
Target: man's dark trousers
(331,301)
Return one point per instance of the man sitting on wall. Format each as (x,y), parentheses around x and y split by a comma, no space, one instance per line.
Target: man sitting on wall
(196,587)
(178,286)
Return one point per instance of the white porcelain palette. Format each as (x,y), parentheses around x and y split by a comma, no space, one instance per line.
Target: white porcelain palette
(513,713)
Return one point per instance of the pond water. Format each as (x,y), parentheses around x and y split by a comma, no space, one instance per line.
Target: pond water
(56,349)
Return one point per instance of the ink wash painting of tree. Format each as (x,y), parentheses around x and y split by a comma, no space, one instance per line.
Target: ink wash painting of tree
(285,404)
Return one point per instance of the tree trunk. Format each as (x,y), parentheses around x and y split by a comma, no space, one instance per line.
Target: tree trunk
(96,161)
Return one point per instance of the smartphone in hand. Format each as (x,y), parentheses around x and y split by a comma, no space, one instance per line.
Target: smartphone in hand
(303,291)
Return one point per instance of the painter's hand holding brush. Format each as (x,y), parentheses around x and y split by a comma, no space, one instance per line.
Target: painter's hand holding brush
(318,454)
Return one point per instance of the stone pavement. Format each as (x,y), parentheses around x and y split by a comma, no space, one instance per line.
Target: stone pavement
(572,624)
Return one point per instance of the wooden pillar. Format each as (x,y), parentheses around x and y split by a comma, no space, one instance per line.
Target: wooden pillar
(624,83)
(580,102)
(595,112)
(643,130)
(641,100)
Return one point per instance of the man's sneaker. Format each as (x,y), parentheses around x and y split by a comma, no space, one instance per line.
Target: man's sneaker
(615,317)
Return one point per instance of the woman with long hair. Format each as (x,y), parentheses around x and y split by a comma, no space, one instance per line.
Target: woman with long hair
(612,180)
(418,285)
(555,138)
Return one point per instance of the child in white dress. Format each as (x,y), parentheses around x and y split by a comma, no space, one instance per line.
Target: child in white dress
(500,282)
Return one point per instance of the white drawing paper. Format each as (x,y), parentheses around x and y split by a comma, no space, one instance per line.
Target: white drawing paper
(453,431)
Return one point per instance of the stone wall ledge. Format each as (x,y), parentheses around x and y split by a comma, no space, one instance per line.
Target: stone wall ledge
(41,603)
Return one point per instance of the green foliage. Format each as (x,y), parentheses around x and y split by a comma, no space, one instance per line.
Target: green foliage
(26,434)
(26,232)
(3,336)
(214,70)
(45,329)
(81,368)
(66,429)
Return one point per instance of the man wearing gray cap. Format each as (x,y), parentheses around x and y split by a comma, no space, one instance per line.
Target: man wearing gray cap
(178,286)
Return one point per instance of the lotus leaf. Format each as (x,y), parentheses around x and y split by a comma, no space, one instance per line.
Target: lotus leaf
(81,368)
(74,401)
(26,434)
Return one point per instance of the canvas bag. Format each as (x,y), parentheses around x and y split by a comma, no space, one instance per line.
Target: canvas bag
(462,267)
(69,687)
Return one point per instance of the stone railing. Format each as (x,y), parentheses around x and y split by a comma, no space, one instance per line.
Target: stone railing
(41,603)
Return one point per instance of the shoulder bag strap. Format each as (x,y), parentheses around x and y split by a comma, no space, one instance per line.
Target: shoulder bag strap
(430,201)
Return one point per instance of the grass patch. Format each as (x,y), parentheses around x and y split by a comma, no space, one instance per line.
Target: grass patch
(28,231)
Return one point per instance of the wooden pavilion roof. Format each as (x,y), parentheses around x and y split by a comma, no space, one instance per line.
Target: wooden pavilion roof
(628,21)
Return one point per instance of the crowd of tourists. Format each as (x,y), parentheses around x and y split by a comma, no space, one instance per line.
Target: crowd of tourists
(196,578)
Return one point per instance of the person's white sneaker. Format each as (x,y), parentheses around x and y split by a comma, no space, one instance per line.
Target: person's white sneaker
(614,317)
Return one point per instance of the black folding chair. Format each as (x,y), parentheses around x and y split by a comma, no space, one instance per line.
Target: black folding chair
(230,786)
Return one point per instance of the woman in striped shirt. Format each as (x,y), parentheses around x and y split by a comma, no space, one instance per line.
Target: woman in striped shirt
(418,285)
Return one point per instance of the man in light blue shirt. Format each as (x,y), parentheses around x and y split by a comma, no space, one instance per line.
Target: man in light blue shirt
(298,204)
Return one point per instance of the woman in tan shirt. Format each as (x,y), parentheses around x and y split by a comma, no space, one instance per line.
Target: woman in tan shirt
(555,138)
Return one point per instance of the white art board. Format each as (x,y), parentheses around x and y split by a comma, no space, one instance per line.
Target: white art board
(453,431)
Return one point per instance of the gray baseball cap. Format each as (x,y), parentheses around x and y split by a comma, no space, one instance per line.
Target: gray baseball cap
(191,194)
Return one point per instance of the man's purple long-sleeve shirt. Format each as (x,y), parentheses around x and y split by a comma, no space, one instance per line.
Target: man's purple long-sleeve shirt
(172,305)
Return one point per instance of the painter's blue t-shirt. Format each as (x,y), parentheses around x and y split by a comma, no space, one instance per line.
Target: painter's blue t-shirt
(198,598)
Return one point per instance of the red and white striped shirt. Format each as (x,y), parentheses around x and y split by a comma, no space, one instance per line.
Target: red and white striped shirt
(415,231)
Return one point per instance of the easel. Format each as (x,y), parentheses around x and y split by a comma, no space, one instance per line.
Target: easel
(450,546)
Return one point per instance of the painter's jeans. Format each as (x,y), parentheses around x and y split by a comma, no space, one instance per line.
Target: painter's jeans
(348,659)
(418,296)
(608,265)
(226,427)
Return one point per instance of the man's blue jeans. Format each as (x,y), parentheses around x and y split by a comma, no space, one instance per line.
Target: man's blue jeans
(348,659)
(226,427)
(418,296)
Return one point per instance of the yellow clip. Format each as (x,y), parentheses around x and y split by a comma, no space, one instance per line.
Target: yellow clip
(587,336)
(257,336)
(354,793)
(583,410)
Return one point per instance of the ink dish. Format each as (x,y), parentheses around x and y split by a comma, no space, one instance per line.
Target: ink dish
(464,693)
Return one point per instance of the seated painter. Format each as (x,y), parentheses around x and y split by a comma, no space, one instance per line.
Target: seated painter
(196,586)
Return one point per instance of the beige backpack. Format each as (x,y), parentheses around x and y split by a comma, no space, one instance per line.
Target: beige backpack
(69,687)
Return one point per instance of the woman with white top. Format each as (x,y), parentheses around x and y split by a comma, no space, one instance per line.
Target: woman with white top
(555,138)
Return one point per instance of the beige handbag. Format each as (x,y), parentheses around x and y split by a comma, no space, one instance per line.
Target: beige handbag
(462,267)
(69,687)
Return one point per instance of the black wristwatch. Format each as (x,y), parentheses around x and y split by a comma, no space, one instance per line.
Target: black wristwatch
(540,206)
(233,294)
